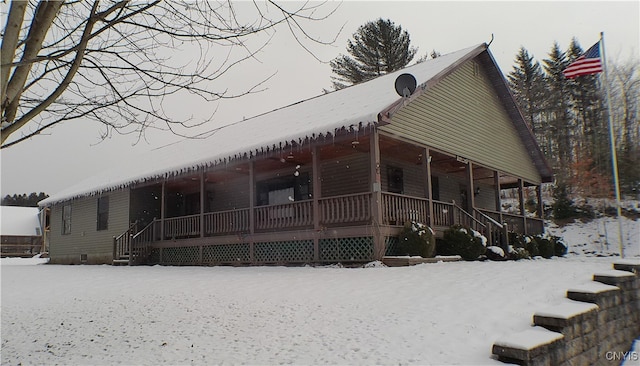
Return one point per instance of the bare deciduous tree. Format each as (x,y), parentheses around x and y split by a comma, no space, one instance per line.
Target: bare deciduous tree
(115,62)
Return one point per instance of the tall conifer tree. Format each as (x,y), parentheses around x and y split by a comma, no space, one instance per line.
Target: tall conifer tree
(527,83)
(558,111)
(378,47)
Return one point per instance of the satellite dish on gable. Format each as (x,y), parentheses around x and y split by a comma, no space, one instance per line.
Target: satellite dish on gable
(405,85)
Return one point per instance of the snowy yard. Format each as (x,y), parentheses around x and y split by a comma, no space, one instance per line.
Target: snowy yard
(443,313)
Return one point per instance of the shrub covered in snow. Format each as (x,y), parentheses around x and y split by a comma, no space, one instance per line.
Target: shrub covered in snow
(559,247)
(516,253)
(467,243)
(416,239)
(545,247)
(496,253)
(522,246)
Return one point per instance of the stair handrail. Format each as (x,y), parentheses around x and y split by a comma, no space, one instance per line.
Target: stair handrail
(125,236)
(488,218)
(132,226)
(468,214)
(135,256)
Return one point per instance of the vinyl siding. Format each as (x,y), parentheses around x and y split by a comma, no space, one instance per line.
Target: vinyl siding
(414,180)
(462,115)
(349,174)
(84,237)
(228,195)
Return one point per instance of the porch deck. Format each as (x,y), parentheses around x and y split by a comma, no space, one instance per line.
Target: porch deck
(339,228)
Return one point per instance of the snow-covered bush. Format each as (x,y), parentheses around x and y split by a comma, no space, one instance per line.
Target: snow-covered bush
(545,246)
(559,247)
(495,253)
(416,239)
(516,253)
(467,243)
(536,245)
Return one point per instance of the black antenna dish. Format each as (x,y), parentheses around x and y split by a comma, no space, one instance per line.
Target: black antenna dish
(405,85)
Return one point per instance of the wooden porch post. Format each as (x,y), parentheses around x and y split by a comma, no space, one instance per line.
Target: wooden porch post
(429,189)
(317,191)
(202,204)
(252,205)
(162,208)
(200,250)
(470,190)
(505,231)
(376,194)
(522,209)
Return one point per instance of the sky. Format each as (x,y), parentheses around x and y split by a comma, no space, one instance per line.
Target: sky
(74,151)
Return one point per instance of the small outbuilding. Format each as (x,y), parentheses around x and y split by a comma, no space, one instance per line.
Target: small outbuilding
(20,231)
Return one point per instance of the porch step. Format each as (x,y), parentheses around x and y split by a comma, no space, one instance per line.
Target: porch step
(120,261)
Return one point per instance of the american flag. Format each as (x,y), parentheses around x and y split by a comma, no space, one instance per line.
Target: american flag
(587,64)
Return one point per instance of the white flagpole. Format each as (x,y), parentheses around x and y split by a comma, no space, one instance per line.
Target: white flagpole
(612,139)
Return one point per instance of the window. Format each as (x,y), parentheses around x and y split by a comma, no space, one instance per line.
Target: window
(103,213)
(395,180)
(283,190)
(66,219)
(435,188)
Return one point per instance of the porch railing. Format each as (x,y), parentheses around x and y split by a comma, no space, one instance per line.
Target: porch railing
(338,210)
(344,209)
(398,209)
(133,246)
(226,222)
(286,216)
(122,242)
(182,227)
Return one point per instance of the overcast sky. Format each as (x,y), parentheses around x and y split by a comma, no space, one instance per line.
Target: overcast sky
(73,151)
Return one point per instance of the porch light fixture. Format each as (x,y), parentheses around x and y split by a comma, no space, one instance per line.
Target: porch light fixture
(462,160)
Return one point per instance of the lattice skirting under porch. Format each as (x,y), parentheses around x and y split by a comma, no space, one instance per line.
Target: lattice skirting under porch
(356,249)
(359,249)
(391,244)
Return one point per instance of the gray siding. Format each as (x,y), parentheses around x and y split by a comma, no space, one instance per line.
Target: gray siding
(228,195)
(413,176)
(84,237)
(346,175)
(462,115)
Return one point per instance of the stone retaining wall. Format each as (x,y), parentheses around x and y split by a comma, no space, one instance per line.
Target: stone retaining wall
(596,325)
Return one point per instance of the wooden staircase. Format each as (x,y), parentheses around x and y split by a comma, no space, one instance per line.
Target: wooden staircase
(133,247)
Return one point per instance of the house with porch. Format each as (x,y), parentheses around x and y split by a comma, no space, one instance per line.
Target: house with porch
(328,179)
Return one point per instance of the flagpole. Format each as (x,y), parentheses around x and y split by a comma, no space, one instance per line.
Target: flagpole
(612,139)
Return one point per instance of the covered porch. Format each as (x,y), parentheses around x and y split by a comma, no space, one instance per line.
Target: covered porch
(341,198)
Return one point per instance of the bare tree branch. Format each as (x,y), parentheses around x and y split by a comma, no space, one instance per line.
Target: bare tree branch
(117,63)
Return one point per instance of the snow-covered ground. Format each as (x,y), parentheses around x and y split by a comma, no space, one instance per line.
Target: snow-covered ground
(443,313)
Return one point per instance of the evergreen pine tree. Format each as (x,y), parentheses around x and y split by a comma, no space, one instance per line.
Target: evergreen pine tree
(557,110)
(378,47)
(527,83)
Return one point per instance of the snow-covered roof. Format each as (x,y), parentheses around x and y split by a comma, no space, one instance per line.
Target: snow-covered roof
(19,221)
(354,107)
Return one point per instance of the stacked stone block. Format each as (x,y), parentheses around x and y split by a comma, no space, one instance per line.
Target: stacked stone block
(600,320)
